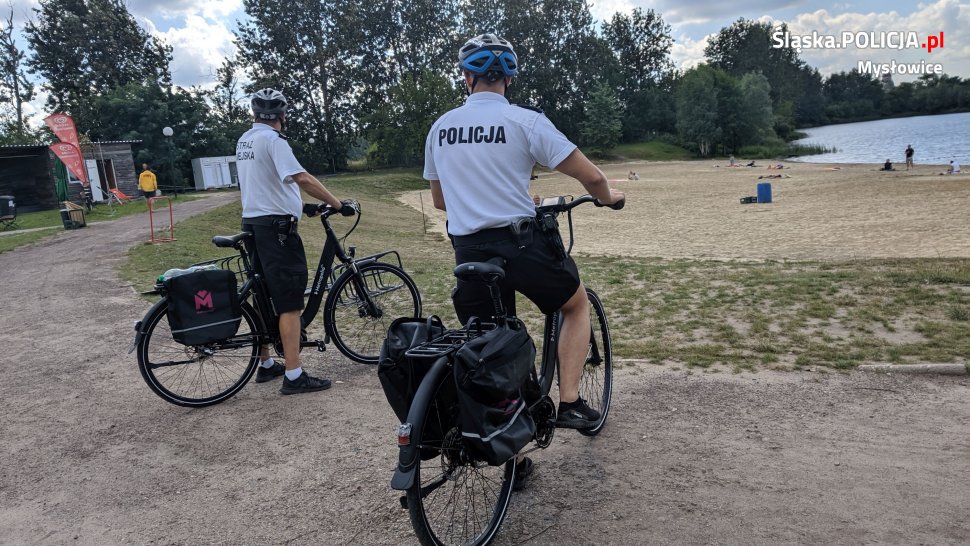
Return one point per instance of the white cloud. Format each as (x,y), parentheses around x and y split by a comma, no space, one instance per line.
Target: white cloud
(198,48)
(176,9)
(687,53)
(603,10)
(22,10)
(680,12)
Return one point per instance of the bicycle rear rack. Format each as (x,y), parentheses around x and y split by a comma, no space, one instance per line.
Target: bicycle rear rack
(447,343)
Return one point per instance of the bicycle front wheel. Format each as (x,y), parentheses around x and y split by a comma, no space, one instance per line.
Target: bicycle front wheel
(455,499)
(596,385)
(197,376)
(361,306)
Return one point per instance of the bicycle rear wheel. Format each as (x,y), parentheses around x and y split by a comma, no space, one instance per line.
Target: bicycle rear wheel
(596,385)
(455,499)
(362,305)
(197,376)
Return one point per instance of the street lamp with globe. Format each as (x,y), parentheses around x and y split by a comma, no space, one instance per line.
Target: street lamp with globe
(168,132)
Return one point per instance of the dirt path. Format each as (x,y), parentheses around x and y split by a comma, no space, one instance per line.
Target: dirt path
(90,456)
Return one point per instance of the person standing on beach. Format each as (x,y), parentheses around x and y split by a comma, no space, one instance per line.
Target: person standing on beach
(909,156)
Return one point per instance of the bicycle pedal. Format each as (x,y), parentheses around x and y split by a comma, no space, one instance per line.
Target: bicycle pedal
(321,346)
(404,502)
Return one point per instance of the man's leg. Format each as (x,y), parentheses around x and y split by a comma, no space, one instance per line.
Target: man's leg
(290,336)
(573,344)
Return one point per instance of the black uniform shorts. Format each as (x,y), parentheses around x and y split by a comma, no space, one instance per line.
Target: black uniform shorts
(283,266)
(536,271)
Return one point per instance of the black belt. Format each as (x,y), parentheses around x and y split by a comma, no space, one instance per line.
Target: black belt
(269,220)
(514,232)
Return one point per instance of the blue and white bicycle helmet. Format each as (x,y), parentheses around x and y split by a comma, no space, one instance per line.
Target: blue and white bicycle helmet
(488,56)
(268,103)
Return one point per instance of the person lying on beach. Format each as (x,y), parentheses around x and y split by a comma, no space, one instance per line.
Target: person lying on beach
(888,166)
(776,166)
(633,176)
(766,176)
(750,164)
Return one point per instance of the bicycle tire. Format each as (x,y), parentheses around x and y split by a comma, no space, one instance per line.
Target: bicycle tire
(206,374)
(355,331)
(434,510)
(596,384)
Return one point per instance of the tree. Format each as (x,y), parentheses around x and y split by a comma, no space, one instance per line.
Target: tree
(697,111)
(852,95)
(602,127)
(15,88)
(121,114)
(641,43)
(310,51)
(397,129)
(755,117)
(747,46)
(84,48)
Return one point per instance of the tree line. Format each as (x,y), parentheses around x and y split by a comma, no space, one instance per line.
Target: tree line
(367,79)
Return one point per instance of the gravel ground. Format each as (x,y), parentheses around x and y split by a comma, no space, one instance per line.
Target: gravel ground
(90,456)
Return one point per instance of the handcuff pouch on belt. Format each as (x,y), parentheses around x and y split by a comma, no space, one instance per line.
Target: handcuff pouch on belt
(522,231)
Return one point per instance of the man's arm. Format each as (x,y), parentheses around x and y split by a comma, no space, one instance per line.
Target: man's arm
(590,176)
(315,189)
(436,196)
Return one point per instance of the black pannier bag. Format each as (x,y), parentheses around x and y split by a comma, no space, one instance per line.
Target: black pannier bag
(401,376)
(203,307)
(492,372)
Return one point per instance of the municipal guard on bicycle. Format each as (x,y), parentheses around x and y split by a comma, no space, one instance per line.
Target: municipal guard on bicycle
(479,159)
(270,180)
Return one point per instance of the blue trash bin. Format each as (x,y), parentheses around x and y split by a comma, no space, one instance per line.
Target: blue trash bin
(764,192)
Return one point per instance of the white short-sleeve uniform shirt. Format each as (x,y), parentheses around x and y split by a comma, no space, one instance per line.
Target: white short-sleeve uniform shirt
(483,153)
(265,163)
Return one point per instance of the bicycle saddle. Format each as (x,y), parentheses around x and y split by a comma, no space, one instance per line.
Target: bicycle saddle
(480,271)
(223,241)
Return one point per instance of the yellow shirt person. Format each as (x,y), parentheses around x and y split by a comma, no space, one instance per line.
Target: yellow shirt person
(147,182)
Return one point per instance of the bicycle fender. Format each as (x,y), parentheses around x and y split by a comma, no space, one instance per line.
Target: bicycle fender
(410,454)
(138,329)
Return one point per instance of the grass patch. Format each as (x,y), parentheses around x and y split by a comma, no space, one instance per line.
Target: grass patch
(52,219)
(10,242)
(740,315)
(654,150)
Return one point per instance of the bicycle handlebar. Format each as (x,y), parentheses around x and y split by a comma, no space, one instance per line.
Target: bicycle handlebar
(313,209)
(562,206)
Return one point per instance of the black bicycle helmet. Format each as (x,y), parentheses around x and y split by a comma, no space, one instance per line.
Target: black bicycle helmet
(488,56)
(268,103)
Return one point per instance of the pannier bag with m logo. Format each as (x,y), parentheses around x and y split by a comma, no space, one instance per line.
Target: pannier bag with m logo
(203,307)
(492,372)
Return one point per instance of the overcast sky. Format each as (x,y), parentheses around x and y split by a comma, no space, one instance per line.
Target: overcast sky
(201,32)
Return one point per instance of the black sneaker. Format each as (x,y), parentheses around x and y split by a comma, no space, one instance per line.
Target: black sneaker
(576,414)
(268,374)
(304,383)
(523,469)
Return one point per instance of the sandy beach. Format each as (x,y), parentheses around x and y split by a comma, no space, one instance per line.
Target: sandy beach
(691,209)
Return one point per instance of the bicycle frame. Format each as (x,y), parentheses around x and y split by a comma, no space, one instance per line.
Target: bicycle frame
(324,277)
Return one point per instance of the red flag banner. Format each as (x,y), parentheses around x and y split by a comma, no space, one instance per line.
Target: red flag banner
(63,127)
(71,156)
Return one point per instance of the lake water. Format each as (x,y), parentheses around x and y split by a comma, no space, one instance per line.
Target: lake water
(936,140)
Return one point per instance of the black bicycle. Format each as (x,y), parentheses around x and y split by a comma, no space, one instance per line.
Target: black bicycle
(452,497)
(363,296)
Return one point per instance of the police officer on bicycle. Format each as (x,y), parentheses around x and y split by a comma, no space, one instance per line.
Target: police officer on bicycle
(270,180)
(478,159)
